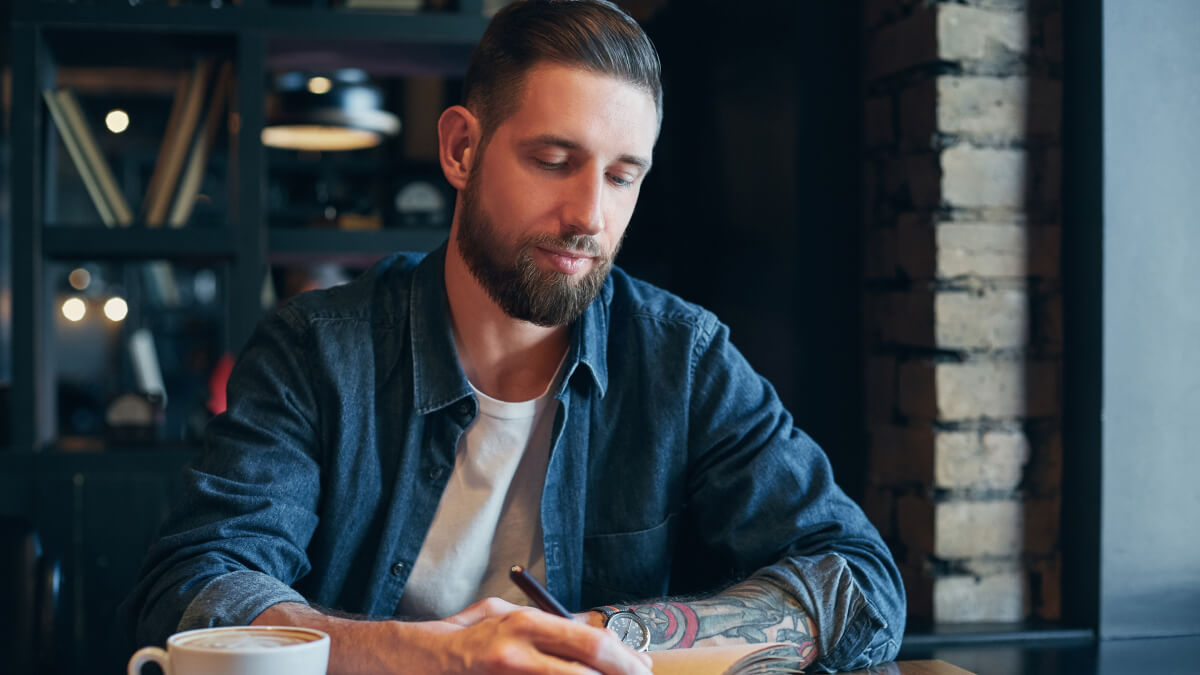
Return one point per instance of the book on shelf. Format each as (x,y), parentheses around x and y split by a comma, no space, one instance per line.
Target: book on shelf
(71,143)
(156,177)
(201,146)
(88,159)
(91,150)
(181,126)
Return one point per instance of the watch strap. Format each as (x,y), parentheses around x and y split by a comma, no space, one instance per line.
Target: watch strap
(609,611)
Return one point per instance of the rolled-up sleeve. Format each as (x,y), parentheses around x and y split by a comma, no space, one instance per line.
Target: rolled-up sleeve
(234,599)
(765,494)
(852,633)
(235,541)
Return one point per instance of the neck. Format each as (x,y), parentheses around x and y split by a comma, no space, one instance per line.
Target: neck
(505,358)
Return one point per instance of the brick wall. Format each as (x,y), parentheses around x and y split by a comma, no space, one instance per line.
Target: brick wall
(961,175)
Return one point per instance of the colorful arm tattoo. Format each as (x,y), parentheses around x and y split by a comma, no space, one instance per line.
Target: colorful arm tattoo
(750,612)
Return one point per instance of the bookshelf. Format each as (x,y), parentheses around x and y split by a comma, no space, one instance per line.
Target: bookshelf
(96,500)
(127,222)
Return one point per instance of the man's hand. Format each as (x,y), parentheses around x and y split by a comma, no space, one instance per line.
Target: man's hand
(491,636)
(500,637)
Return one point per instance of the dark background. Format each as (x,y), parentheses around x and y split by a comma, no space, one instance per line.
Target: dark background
(752,207)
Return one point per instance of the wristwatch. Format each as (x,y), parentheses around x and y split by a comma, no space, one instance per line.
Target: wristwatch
(629,627)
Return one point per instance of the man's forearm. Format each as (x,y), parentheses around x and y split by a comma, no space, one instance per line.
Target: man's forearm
(753,611)
(356,646)
(491,636)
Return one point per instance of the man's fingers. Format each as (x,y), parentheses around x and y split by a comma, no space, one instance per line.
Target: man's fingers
(575,641)
(527,660)
(515,639)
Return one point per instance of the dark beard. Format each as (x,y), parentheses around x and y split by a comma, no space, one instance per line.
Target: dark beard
(521,289)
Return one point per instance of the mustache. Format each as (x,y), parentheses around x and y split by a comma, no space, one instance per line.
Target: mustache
(576,243)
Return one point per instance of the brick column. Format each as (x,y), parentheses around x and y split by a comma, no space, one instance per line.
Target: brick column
(962,301)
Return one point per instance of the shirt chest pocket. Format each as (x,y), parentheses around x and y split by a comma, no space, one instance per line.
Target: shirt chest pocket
(628,566)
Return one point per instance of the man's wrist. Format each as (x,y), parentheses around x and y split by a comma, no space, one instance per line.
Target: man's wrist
(632,629)
(593,618)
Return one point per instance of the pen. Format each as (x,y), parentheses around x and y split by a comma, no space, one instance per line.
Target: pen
(537,592)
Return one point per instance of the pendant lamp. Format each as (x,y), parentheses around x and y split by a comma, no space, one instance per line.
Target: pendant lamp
(339,110)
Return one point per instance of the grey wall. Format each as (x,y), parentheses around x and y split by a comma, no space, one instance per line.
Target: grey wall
(1150,489)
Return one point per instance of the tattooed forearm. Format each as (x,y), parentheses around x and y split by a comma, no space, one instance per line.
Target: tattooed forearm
(751,612)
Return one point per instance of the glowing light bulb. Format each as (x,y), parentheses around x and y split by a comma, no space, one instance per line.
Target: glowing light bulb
(320,85)
(116,309)
(74,309)
(116,120)
(79,278)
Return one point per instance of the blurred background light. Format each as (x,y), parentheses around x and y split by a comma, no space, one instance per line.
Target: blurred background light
(320,85)
(116,120)
(79,278)
(116,309)
(74,309)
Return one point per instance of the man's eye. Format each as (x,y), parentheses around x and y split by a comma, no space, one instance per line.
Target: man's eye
(620,181)
(551,166)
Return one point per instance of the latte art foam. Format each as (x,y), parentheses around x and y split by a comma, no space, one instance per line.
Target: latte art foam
(246,641)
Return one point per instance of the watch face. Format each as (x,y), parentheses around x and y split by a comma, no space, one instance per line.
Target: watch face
(631,629)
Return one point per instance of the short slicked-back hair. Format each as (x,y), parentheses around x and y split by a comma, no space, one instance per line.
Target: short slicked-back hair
(593,35)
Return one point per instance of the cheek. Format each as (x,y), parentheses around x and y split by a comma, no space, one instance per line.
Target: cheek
(514,198)
(620,214)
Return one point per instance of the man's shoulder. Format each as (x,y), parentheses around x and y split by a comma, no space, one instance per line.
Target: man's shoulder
(639,301)
(380,294)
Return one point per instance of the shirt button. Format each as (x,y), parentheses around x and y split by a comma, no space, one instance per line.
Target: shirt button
(435,473)
(398,569)
(463,409)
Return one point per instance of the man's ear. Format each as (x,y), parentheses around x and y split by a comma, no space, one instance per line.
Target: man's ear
(458,140)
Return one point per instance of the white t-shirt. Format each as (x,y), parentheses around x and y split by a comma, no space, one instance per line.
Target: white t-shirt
(489,516)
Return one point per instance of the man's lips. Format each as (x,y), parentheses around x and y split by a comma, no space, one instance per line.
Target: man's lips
(565,261)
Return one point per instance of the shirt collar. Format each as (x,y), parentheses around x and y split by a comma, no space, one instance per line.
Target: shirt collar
(438,378)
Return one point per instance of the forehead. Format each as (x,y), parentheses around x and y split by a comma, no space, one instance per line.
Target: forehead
(598,111)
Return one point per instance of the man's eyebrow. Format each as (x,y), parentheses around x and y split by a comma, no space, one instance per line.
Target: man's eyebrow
(567,144)
(642,163)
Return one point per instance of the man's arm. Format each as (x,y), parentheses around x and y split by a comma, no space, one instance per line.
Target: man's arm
(491,636)
(764,506)
(751,612)
(245,512)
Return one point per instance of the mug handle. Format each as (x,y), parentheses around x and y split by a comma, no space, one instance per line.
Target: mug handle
(147,654)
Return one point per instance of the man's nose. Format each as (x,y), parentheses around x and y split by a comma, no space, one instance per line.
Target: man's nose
(583,210)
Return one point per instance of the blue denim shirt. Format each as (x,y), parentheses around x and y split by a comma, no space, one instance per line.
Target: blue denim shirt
(674,469)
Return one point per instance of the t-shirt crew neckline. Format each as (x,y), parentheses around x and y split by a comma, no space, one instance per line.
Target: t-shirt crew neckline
(511,410)
(518,410)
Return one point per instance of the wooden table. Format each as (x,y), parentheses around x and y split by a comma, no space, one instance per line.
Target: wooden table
(913,668)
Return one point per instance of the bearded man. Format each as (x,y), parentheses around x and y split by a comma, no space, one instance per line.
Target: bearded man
(393,446)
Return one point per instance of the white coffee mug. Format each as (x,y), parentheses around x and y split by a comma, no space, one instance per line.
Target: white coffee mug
(239,650)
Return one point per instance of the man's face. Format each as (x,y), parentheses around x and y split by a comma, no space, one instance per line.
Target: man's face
(546,206)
